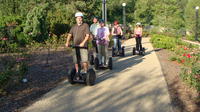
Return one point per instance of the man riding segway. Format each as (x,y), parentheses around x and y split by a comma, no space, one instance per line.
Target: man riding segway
(80,35)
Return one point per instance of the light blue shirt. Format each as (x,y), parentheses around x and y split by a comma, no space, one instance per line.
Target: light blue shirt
(93,28)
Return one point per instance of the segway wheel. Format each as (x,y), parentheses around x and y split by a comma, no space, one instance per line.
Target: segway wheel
(113,52)
(134,51)
(143,51)
(91,77)
(71,76)
(96,63)
(91,59)
(110,63)
(123,51)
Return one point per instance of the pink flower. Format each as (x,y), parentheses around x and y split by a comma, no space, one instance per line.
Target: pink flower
(185,48)
(189,56)
(4,38)
(184,54)
(20,59)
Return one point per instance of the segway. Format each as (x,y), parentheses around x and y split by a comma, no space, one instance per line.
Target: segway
(92,57)
(141,52)
(116,52)
(95,61)
(80,77)
(109,65)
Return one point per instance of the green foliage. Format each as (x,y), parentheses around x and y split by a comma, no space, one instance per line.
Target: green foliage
(187,55)
(165,42)
(192,76)
(190,16)
(164,13)
(173,58)
(36,24)
(8,46)
(13,70)
(115,10)
(190,37)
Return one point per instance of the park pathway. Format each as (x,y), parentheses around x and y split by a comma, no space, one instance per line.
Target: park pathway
(136,84)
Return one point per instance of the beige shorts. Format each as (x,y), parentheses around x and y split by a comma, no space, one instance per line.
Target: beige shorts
(83,54)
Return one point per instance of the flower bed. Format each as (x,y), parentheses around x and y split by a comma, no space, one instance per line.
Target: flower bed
(187,55)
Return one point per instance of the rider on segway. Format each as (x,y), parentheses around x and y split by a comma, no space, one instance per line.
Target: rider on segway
(117,34)
(80,35)
(102,43)
(138,38)
(93,36)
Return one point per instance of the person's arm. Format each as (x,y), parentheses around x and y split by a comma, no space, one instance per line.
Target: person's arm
(87,36)
(85,40)
(91,28)
(68,40)
(69,36)
(107,34)
(112,32)
(141,32)
(121,32)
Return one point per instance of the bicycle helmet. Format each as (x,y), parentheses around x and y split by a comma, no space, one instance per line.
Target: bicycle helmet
(138,24)
(101,21)
(79,14)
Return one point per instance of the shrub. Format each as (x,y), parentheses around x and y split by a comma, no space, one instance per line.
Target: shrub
(165,42)
(192,75)
(13,71)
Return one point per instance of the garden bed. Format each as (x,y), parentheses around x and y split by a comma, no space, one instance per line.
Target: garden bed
(183,97)
(180,63)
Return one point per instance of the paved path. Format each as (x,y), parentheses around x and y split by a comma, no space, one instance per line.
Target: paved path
(192,42)
(136,84)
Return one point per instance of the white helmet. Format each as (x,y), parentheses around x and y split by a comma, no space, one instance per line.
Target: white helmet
(138,24)
(79,14)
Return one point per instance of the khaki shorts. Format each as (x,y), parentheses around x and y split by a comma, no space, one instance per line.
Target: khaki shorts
(83,54)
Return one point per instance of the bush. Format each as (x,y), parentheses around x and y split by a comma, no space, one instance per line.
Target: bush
(13,70)
(186,54)
(190,37)
(165,42)
(192,76)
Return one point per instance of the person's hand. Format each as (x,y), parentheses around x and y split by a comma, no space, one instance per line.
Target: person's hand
(67,44)
(107,39)
(82,44)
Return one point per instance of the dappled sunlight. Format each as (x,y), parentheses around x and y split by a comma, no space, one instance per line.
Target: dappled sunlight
(128,87)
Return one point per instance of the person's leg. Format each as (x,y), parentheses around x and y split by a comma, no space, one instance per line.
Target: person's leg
(85,67)
(75,60)
(119,44)
(115,42)
(106,55)
(99,54)
(140,43)
(137,43)
(84,59)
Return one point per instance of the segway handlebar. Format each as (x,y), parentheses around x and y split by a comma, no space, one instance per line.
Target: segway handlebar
(77,46)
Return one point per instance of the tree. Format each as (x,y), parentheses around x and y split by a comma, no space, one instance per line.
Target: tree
(36,23)
(190,18)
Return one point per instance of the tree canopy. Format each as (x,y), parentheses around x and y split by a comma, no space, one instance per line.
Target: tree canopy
(57,16)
